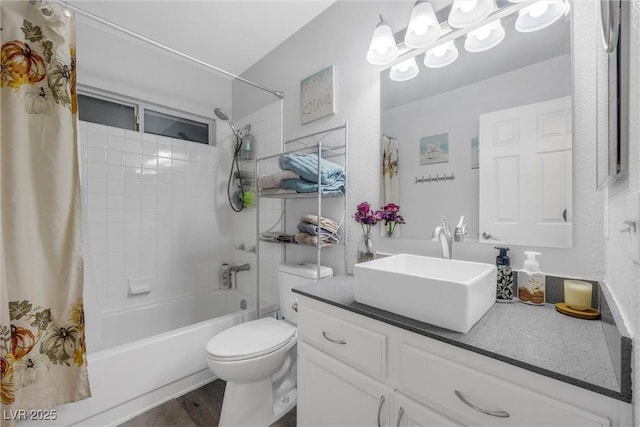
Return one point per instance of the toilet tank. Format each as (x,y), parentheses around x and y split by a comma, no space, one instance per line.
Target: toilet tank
(292,274)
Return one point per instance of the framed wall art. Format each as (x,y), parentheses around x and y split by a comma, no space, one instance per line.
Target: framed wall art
(317,95)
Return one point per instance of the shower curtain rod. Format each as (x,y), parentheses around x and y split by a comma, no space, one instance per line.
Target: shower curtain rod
(138,36)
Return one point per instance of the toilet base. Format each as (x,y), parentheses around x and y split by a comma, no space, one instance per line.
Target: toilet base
(252,404)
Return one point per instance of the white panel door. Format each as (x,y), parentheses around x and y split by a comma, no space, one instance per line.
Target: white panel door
(525,175)
(331,393)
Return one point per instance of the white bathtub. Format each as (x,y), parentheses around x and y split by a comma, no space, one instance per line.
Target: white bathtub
(139,373)
(126,326)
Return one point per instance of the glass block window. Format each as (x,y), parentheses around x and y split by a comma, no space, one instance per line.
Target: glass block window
(176,127)
(110,113)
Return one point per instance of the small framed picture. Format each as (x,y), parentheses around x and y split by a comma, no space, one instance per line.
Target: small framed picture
(317,95)
(434,149)
(475,154)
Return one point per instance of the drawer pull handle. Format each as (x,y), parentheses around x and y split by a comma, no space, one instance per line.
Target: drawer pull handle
(380,409)
(400,414)
(500,414)
(324,334)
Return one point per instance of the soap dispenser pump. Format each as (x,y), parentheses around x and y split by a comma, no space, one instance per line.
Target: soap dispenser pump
(531,281)
(504,285)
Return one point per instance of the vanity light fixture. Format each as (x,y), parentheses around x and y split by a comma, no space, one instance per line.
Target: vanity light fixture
(478,20)
(406,70)
(442,55)
(465,13)
(383,49)
(423,28)
(485,37)
(539,15)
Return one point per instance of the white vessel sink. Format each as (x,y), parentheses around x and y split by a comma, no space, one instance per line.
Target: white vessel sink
(448,293)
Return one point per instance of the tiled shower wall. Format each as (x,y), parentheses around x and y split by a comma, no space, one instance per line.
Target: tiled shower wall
(154,215)
(267,129)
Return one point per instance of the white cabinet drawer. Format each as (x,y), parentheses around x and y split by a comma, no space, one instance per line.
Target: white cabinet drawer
(354,344)
(444,384)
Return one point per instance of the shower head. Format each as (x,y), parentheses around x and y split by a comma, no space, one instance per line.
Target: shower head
(223,116)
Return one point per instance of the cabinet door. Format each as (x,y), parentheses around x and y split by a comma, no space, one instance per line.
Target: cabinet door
(409,413)
(331,393)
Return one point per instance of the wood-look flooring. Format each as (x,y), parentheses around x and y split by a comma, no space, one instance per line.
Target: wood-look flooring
(198,408)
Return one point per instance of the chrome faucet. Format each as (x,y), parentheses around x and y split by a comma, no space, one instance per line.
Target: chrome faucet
(461,230)
(443,234)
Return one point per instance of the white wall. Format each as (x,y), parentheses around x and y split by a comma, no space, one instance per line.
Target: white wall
(341,35)
(424,203)
(622,274)
(112,61)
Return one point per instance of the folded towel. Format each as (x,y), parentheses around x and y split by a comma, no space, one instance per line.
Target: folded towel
(303,186)
(326,223)
(306,165)
(273,180)
(276,236)
(276,191)
(308,239)
(305,227)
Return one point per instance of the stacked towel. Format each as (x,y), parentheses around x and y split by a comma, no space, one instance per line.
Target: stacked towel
(325,223)
(274,180)
(331,176)
(309,240)
(314,230)
(276,236)
(304,186)
(311,231)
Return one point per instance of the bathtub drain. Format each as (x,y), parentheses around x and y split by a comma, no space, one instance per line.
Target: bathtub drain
(243,304)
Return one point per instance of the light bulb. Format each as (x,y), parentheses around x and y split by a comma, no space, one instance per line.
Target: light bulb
(420,26)
(468,5)
(381,48)
(482,33)
(439,51)
(538,9)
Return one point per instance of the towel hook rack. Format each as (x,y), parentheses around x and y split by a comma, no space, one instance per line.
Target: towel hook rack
(437,178)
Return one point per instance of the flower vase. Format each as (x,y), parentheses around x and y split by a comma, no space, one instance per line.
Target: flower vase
(366,251)
(389,233)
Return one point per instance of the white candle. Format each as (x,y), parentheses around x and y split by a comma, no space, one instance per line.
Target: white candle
(577,294)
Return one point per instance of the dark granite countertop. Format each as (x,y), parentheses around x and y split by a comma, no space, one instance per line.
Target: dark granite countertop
(536,338)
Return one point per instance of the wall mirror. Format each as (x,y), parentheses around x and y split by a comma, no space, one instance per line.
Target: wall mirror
(487,137)
(613,92)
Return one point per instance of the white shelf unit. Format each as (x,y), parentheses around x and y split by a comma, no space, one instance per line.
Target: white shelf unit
(329,144)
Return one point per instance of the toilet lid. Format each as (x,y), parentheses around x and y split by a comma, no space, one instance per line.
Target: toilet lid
(251,339)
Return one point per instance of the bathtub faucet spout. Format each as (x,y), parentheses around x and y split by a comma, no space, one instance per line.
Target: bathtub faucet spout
(243,267)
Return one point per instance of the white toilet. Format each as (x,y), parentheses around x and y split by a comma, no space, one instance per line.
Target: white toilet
(257,359)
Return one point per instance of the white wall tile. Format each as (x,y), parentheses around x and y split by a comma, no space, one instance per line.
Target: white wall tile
(151,210)
(133,135)
(115,132)
(95,127)
(116,143)
(133,146)
(116,157)
(96,155)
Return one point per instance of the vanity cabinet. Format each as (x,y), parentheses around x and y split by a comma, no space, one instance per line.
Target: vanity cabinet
(354,370)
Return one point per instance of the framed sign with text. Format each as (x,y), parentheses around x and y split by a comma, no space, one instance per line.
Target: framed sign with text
(317,95)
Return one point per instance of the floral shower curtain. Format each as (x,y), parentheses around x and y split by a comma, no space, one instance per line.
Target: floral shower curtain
(390,181)
(42,344)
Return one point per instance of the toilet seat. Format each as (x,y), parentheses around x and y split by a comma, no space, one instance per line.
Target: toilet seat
(251,339)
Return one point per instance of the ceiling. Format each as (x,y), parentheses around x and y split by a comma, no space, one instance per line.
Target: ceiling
(229,34)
